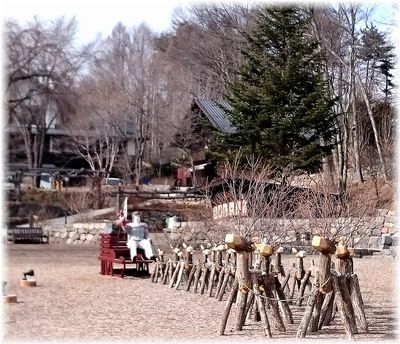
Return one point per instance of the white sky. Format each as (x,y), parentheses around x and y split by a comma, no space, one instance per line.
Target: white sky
(96,16)
(100,16)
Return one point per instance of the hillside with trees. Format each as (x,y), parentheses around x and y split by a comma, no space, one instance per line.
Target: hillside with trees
(310,86)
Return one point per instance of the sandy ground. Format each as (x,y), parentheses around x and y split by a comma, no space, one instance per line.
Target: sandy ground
(72,301)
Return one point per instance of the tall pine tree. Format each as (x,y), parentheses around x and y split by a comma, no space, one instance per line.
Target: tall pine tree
(281,109)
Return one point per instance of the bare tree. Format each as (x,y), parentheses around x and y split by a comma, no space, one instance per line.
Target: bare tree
(258,200)
(42,67)
(349,75)
(133,93)
(206,42)
(336,217)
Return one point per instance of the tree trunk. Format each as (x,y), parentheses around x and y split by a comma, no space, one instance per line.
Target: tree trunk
(374,128)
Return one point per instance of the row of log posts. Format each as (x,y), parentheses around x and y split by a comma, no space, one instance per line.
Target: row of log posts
(159,268)
(228,273)
(258,291)
(334,289)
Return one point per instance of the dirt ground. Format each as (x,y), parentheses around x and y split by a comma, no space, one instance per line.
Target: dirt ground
(72,301)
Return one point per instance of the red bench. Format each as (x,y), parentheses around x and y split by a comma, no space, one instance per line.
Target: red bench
(113,250)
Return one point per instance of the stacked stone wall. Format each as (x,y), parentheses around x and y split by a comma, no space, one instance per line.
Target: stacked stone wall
(380,233)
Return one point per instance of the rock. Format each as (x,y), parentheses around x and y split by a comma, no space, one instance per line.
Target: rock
(386,239)
(382,212)
(374,241)
(64,235)
(81,231)
(103,225)
(70,241)
(56,234)
(394,250)
(82,237)
(89,237)
(376,230)
(385,230)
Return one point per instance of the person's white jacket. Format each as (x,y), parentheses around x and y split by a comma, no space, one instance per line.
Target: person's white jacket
(138,237)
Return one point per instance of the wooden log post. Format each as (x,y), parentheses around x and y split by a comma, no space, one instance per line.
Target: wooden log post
(229,272)
(348,307)
(341,307)
(305,320)
(197,274)
(161,263)
(300,271)
(249,306)
(181,267)
(302,289)
(326,248)
(243,276)
(260,302)
(270,292)
(285,281)
(316,313)
(167,271)
(344,262)
(283,304)
(221,277)
(266,251)
(278,267)
(213,270)
(205,273)
(303,275)
(188,262)
(326,310)
(177,269)
(357,302)
(222,268)
(191,277)
(154,275)
(228,306)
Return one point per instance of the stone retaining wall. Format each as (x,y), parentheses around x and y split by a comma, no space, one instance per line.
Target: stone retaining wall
(77,233)
(381,233)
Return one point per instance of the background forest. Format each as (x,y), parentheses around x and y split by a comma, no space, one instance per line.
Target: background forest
(138,84)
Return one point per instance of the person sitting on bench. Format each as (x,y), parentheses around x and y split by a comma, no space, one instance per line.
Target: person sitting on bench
(138,236)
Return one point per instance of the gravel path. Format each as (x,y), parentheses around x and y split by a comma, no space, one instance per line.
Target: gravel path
(73,301)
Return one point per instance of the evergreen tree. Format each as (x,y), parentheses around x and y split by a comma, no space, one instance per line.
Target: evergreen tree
(281,109)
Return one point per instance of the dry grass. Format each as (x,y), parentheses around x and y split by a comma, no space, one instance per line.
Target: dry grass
(73,301)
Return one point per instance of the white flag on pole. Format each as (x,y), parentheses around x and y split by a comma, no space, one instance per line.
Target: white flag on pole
(125,208)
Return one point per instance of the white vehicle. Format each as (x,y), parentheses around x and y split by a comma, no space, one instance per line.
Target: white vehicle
(46,181)
(113,181)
